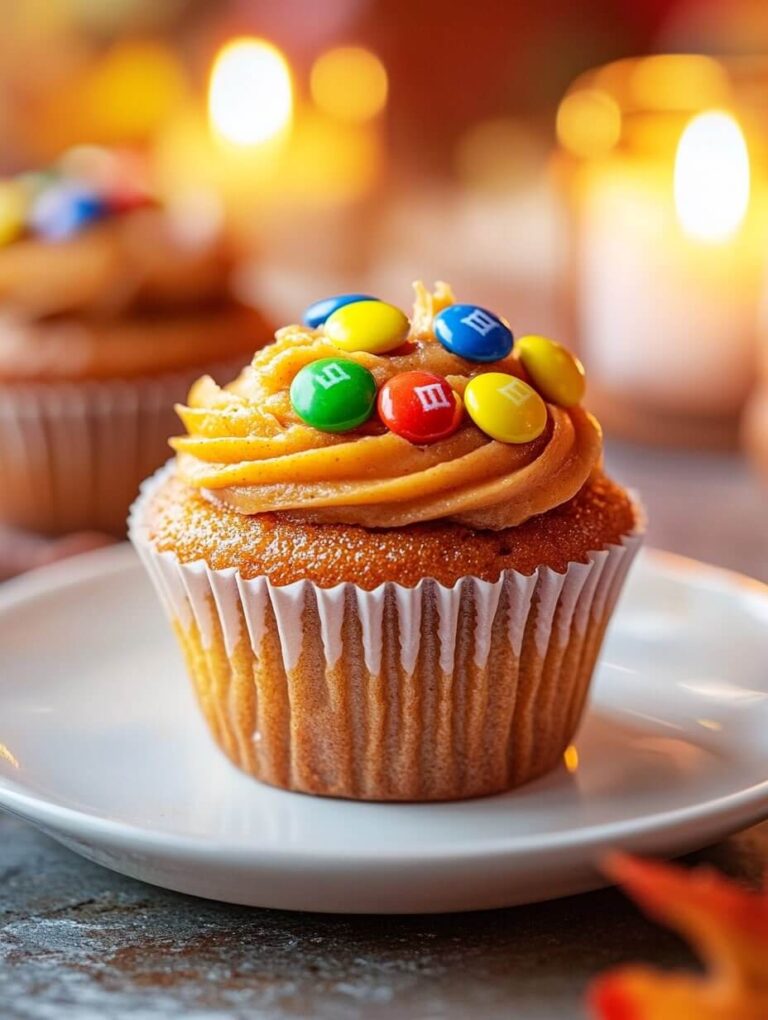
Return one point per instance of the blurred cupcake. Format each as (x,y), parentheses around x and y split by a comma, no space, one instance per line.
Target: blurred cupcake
(402,605)
(110,306)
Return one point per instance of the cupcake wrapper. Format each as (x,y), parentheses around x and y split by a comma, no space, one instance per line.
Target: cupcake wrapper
(73,454)
(424,693)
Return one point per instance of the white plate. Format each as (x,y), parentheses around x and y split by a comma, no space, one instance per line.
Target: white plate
(101,746)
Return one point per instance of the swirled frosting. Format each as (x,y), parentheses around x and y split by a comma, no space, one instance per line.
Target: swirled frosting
(247,448)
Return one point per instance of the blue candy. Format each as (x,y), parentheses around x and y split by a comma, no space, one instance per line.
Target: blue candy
(473,333)
(62,210)
(317,313)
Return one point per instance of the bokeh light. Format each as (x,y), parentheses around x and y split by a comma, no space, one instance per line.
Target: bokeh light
(678,82)
(588,122)
(350,83)
(712,177)
(571,758)
(331,162)
(250,97)
(132,91)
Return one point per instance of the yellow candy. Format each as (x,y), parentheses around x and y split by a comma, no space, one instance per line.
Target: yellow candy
(12,209)
(557,374)
(505,407)
(371,326)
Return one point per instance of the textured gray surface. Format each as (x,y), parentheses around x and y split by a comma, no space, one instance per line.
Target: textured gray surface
(79,942)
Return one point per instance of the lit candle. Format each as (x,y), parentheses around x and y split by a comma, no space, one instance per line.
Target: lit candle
(669,255)
(277,164)
(237,151)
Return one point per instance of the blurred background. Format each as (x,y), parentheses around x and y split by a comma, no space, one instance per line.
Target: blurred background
(594,170)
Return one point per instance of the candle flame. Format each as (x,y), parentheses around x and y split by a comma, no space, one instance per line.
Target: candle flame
(250,99)
(711,177)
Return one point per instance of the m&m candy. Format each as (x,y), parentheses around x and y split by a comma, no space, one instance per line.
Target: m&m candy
(420,407)
(63,209)
(473,333)
(333,395)
(12,212)
(318,312)
(126,199)
(505,407)
(555,371)
(370,325)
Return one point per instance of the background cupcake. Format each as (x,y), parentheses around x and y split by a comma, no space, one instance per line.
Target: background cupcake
(402,605)
(109,307)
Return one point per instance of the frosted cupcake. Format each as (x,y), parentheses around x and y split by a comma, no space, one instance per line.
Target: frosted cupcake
(110,307)
(389,552)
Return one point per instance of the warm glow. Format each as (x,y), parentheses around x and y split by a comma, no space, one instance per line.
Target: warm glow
(711,177)
(710,724)
(571,758)
(249,97)
(588,122)
(6,755)
(677,81)
(130,92)
(331,162)
(349,83)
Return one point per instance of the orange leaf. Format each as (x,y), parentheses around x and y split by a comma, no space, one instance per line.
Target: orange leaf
(726,923)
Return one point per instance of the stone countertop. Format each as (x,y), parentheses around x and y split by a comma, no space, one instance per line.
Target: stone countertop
(81,942)
(77,941)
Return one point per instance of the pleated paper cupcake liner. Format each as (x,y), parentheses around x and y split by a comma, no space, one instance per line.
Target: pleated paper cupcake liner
(73,454)
(424,693)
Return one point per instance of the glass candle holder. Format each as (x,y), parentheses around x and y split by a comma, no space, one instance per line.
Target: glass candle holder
(663,162)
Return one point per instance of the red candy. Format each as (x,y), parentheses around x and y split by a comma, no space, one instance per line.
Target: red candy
(126,200)
(420,407)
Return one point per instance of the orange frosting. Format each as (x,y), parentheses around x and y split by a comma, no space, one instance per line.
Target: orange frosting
(248,449)
(140,261)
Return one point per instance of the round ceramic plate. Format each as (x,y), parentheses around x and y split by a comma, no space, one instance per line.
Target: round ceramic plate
(102,747)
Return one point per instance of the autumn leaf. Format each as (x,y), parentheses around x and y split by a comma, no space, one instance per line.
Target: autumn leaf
(726,924)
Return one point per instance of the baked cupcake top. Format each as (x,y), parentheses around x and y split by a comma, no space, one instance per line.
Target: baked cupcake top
(363,417)
(99,280)
(87,236)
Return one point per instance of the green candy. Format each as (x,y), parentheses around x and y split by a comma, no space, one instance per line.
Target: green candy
(333,395)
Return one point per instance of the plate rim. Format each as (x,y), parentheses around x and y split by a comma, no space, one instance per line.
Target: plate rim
(732,810)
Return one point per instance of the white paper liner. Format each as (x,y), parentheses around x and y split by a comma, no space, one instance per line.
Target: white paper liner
(188,592)
(73,454)
(423,693)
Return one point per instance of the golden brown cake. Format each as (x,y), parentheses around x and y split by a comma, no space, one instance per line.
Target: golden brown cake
(286,549)
(369,616)
(101,330)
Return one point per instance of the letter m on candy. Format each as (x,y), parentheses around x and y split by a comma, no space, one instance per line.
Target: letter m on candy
(480,321)
(330,375)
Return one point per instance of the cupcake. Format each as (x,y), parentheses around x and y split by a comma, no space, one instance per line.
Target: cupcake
(389,552)
(110,307)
